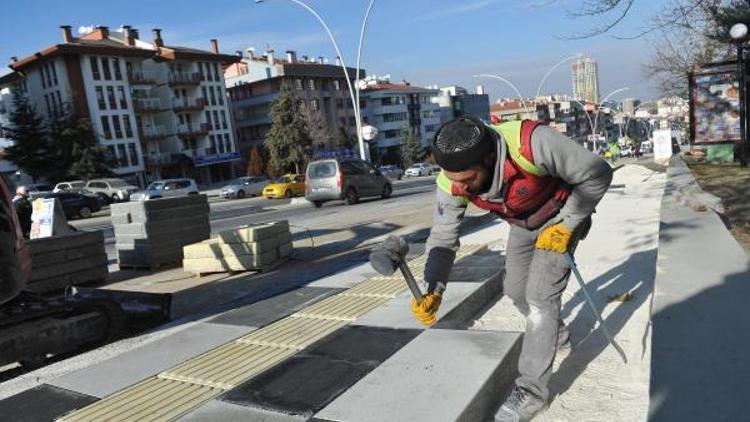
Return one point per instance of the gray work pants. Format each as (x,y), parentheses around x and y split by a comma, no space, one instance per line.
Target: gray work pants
(535,280)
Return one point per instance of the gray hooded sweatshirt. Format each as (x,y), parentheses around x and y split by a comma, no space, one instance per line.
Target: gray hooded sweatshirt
(560,157)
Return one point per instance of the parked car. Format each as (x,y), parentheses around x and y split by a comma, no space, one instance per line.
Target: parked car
(418,169)
(167,188)
(435,169)
(245,186)
(76,204)
(286,186)
(75,186)
(392,172)
(38,190)
(114,190)
(347,179)
(626,152)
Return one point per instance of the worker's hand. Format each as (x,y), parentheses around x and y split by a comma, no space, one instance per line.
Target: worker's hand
(426,310)
(554,238)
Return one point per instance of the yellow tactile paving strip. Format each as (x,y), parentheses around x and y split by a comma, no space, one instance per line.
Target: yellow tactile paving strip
(186,386)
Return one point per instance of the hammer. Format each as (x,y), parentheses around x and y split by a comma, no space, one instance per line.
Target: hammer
(391,254)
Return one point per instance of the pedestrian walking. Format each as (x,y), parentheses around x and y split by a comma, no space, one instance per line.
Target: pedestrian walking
(546,187)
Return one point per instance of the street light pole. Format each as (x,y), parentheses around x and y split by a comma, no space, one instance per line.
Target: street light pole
(552,69)
(507,82)
(354,98)
(359,58)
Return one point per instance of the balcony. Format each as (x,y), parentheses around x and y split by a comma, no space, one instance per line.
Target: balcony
(147,105)
(149,133)
(158,158)
(184,104)
(184,78)
(187,131)
(142,78)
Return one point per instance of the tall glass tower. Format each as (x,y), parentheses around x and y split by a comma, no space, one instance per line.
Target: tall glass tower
(586,80)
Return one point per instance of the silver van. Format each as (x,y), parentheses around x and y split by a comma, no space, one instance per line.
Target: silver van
(347,179)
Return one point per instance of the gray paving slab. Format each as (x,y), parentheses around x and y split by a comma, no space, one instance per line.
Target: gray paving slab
(114,374)
(461,302)
(269,310)
(700,335)
(42,403)
(347,278)
(220,411)
(442,375)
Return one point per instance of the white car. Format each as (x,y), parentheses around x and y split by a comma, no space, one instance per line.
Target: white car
(245,186)
(419,169)
(168,188)
(75,186)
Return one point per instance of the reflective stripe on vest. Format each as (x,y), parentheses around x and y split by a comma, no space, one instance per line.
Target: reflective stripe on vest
(511,132)
(446,185)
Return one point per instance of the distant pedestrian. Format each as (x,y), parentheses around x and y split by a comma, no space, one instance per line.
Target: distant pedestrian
(614,152)
(23,209)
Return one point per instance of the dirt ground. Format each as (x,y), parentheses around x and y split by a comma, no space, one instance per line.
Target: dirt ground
(731,183)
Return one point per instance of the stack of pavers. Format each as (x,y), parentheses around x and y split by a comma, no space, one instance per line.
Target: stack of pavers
(71,259)
(256,247)
(150,234)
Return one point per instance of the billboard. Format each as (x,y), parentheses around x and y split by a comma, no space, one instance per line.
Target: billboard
(715,114)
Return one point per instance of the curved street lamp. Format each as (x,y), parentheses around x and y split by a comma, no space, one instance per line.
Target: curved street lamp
(739,34)
(507,82)
(552,69)
(354,98)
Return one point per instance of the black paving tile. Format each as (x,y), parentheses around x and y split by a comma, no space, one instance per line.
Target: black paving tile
(307,382)
(42,403)
(264,312)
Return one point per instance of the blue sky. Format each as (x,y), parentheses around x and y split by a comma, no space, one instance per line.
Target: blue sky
(423,41)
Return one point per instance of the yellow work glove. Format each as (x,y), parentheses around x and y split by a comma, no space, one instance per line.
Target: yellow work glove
(426,311)
(554,238)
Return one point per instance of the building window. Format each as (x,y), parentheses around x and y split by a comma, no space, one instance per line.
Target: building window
(349,103)
(116,66)
(94,68)
(105,127)
(362,103)
(46,100)
(100,98)
(227,143)
(220,95)
(217,76)
(298,84)
(208,120)
(216,120)
(315,105)
(105,69)
(128,127)
(133,154)
(54,72)
(213,96)
(311,84)
(223,119)
(59,102)
(339,103)
(117,127)
(122,158)
(200,70)
(123,100)
(394,117)
(214,150)
(42,76)
(111,96)
(337,85)
(208,72)
(301,105)
(111,152)
(205,96)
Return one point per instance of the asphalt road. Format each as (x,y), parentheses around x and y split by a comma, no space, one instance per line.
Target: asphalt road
(318,232)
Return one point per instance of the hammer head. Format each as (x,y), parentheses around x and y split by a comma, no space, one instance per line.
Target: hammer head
(386,257)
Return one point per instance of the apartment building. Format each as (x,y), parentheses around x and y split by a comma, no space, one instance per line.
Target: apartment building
(160,110)
(320,89)
(456,101)
(395,107)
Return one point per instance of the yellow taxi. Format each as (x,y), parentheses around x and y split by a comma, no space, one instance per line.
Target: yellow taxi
(286,186)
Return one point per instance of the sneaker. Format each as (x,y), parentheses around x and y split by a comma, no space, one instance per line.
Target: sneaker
(520,406)
(563,337)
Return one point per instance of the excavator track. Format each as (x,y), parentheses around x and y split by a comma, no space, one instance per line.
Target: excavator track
(33,328)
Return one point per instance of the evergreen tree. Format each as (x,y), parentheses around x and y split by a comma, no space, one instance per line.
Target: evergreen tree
(411,148)
(288,141)
(87,158)
(343,140)
(255,164)
(31,149)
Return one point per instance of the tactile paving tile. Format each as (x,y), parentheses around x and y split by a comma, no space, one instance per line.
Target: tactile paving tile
(179,390)
(293,332)
(341,307)
(229,366)
(152,400)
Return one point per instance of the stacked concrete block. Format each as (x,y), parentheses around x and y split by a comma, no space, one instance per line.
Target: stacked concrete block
(149,234)
(254,247)
(72,259)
